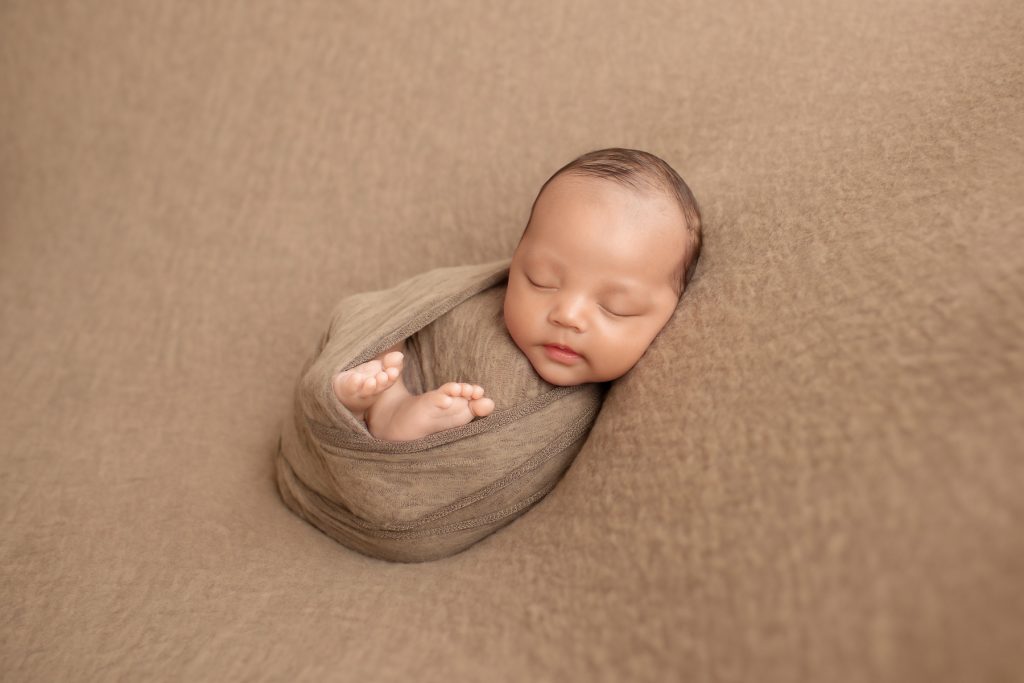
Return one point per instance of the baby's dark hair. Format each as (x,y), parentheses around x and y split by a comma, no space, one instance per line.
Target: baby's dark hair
(639,170)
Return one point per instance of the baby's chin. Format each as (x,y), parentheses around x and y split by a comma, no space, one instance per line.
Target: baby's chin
(567,376)
(558,381)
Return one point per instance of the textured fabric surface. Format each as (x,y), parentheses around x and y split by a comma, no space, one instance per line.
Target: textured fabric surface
(431,497)
(462,346)
(813,475)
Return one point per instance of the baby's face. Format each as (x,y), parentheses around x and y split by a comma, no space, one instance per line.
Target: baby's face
(594,274)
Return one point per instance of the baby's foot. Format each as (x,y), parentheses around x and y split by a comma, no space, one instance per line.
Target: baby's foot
(360,387)
(452,405)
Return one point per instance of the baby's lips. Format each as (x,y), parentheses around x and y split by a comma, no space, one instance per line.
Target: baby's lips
(567,348)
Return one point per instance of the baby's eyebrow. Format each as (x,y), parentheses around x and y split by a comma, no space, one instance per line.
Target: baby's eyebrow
(543,258)
(615,286)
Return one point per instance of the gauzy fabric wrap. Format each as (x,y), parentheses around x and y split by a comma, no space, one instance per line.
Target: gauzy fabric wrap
(412,501)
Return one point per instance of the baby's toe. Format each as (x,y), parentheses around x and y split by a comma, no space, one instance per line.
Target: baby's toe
(482,407)
(370,367)
(451,388)
(369,385)
(478,392)
(393,360)
(351,380)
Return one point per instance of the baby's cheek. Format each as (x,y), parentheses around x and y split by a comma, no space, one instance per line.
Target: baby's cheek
(513,325)
(626,353)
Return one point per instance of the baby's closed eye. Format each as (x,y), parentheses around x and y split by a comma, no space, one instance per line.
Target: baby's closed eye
(616,314)
(537,284)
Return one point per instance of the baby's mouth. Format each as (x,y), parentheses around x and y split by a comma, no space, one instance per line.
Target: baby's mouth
(561,354)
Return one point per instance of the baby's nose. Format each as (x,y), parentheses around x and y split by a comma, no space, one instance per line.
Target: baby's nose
(568,314)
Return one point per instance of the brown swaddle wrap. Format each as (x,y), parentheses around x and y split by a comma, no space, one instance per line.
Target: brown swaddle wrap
(419,500)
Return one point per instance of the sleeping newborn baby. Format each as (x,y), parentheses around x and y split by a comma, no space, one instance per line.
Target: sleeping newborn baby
(612,240)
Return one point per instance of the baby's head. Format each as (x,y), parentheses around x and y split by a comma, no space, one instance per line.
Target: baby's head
(612,241)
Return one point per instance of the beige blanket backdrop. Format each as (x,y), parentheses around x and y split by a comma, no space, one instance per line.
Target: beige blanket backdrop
(814,475)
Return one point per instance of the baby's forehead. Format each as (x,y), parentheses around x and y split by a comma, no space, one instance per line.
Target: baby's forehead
(652,235)
(567,256)
(640,195)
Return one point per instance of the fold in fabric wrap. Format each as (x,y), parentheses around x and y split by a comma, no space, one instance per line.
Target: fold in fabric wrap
(412,501)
